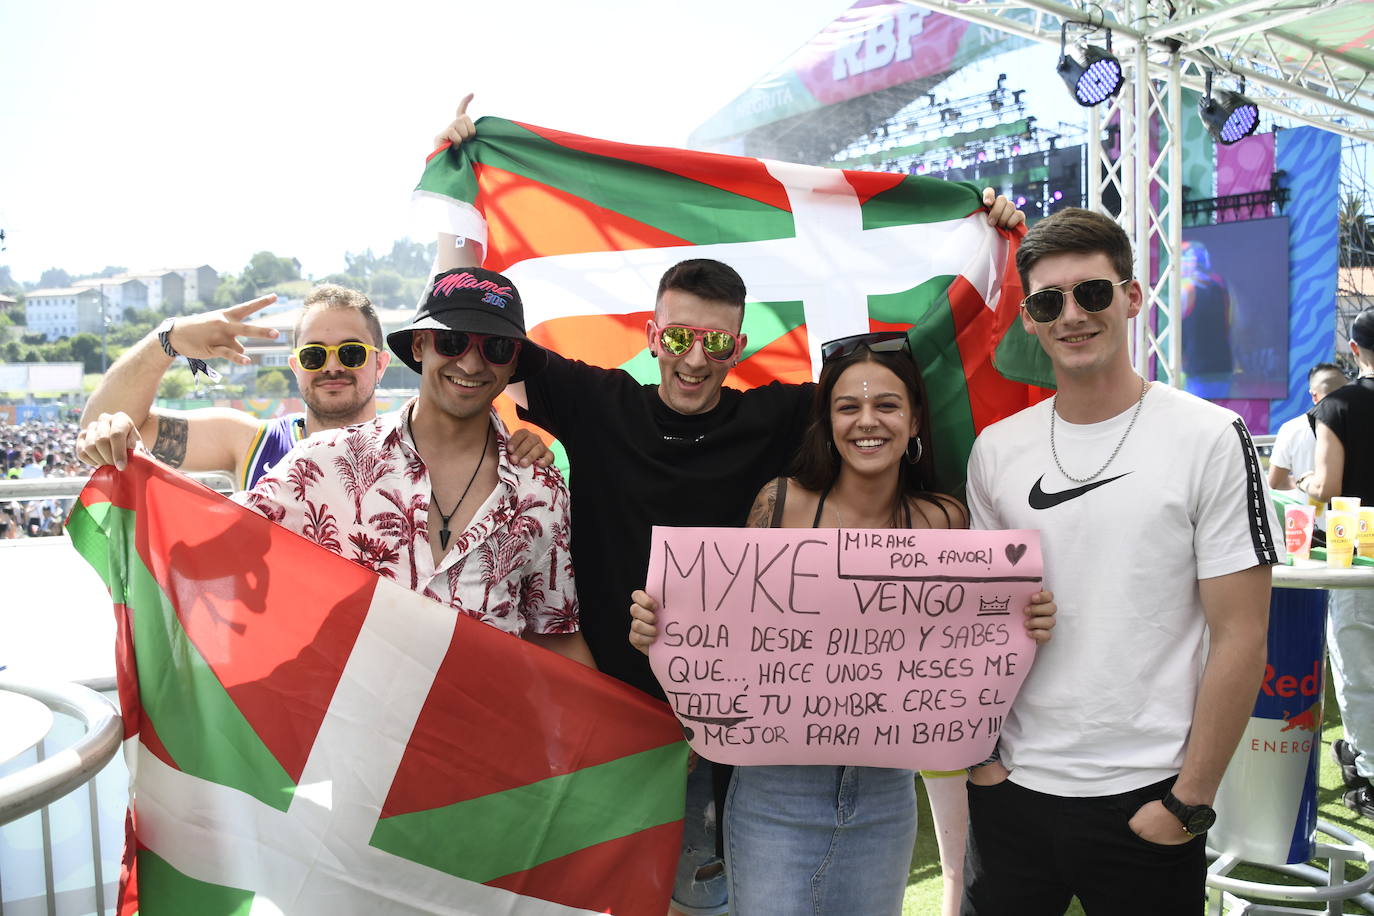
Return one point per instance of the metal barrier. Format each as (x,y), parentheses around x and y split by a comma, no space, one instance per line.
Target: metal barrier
(53,777)
(23,490)
(60,840)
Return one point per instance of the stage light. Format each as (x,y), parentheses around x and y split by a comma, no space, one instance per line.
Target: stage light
(1095,80)
(1229,116)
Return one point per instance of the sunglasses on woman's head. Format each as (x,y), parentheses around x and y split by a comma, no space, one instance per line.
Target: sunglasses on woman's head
(314,357)
(1046,305)
(677,339)
(876,341)
(497,351)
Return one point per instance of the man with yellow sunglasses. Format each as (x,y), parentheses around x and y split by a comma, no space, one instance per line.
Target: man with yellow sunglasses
(336,362)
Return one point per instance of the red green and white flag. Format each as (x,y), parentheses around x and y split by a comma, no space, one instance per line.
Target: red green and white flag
(586,227)
(305,738)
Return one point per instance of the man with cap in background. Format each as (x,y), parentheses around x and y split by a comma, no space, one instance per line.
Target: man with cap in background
(1344,466)
(429,495)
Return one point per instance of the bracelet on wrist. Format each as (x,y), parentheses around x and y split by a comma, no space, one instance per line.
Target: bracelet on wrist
(197,366)
(164,337)
(994,758)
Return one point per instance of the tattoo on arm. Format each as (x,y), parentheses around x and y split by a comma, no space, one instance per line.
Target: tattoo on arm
(171,440)
(761,515)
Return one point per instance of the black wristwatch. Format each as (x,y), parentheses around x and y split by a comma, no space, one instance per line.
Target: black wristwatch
(1196,819)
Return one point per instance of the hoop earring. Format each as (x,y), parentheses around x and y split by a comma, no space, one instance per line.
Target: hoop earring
(910,458)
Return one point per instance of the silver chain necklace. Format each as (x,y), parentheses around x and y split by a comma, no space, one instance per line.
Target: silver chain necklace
(1054,409)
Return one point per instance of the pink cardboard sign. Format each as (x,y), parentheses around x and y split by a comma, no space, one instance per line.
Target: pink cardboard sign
(891,648)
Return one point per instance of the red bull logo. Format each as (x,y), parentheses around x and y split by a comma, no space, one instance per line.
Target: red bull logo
(1309,719)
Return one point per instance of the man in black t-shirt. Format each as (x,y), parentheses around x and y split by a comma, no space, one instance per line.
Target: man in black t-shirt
(1344,466)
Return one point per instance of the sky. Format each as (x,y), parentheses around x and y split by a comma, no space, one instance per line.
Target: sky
(153,134)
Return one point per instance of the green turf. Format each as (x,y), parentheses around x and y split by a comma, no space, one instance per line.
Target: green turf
(923,885)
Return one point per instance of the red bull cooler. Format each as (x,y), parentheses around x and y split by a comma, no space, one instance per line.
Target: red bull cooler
(1267,803)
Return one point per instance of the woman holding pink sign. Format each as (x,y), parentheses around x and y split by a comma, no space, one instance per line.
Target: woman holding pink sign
(838,839)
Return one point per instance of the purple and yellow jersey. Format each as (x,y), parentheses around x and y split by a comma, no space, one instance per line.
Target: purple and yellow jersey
(273,440)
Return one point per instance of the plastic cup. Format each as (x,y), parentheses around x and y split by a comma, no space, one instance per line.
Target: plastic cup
(1364,531)
(1349,504)
(1340,539)
(1297,525)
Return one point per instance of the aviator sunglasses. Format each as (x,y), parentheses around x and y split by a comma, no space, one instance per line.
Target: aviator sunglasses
(314,357)
(1046,305)
(497,351)
(677,339)
(875,341)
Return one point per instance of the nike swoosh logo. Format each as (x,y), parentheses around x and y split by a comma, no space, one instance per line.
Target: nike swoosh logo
(1039,499)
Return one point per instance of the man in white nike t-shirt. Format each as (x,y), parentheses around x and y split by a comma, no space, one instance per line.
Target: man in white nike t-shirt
(1158,533)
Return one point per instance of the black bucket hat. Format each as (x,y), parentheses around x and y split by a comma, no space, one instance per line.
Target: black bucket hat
(477,301)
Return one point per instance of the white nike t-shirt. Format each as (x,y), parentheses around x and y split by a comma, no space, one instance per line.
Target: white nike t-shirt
(1108,703)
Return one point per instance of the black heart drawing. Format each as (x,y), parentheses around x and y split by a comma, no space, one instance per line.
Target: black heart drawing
(1015,552)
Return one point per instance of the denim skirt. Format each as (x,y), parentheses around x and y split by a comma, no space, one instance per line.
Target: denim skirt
(813,840)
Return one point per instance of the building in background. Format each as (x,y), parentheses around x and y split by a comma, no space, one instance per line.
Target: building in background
(121,292)
(198,285)
(57,313)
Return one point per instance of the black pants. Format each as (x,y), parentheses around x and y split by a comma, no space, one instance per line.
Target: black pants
(1030,853)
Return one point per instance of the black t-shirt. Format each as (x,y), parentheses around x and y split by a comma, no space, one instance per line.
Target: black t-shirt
(1349,411)
(636,463)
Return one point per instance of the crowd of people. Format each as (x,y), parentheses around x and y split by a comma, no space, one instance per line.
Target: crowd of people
(32,450)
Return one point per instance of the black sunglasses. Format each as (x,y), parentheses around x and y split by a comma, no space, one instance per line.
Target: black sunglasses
(876,341)
(1046,305)
(498,351)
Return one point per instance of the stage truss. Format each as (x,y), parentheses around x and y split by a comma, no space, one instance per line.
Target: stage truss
(1285,52)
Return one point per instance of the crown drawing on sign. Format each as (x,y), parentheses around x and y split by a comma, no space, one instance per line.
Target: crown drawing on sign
(989,607)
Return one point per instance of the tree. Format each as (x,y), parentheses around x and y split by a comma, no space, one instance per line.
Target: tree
(108,271)
(266,269)
(385,286)
(272,383)
(175,384)
(227,293)
(59,351)
(1356,233)
(8,286)
(86,347)
(360,267)
(54,278)
(411,259)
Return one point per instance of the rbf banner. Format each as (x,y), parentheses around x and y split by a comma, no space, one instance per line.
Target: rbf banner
(307,738)
(585,228)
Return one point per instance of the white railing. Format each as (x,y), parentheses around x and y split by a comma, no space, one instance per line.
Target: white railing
(55,775)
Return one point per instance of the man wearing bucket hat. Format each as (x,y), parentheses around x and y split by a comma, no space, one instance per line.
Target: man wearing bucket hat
(416,494)
(1344,466)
